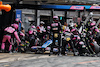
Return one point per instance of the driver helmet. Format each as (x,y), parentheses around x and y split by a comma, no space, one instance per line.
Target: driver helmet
(41,22)
(33,27)
(48,27)
(73,30)
(55,18)
(15,26)
(30,31)
(22,34)
(17,21)
(93,23)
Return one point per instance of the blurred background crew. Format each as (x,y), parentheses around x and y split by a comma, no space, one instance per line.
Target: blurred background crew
(41,31)
(41,28)
(65,26)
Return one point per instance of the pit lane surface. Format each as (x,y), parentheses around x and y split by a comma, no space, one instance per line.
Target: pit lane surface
(43,60)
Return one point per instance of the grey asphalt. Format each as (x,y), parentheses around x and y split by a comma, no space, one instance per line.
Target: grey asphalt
(54,61)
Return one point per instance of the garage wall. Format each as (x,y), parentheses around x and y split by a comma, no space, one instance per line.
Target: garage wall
(27,15)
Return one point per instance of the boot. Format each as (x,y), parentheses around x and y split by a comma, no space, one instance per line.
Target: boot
(50,53)
(2,51)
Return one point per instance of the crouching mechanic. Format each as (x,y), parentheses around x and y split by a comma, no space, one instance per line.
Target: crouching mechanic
(55,30)
(41,31)
(9,33)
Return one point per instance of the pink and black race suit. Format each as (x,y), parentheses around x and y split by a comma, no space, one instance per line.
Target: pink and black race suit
(9,32)
(56,27)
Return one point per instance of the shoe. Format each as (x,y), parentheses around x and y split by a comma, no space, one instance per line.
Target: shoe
(81,54)
(60,54)
(14,51)
(0,51)
(76,53)
(10,52)
(65,54)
